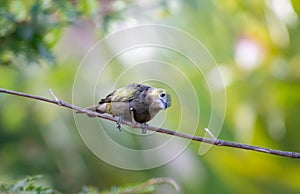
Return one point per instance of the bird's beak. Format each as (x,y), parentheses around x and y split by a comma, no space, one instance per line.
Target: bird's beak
(165,103)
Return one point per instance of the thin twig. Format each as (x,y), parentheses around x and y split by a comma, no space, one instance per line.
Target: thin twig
(213,141)
(55,97)
(210,133)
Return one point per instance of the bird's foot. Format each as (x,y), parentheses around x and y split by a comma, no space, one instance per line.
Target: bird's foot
(144,128)
(119,123)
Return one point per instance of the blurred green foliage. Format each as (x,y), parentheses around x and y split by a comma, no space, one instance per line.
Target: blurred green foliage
(30,29)
(33,184)
(26,185)
(255,43)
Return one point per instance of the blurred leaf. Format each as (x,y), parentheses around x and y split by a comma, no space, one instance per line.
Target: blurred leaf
(149,186)
(25,32)
(28,184)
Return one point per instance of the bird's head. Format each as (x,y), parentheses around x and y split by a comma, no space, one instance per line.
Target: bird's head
(162,98)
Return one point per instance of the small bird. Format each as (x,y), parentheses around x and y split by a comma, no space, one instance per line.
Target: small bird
(135,103)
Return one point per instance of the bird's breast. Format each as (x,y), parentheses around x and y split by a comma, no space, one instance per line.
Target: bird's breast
(120,109)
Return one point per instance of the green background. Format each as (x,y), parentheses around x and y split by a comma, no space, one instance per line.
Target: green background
(255,43)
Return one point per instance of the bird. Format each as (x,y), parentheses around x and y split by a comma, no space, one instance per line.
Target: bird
(134,103)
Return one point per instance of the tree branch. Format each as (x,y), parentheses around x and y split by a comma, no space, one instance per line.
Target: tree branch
(217,142)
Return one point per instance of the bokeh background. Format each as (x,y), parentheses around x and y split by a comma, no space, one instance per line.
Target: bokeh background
(255,44)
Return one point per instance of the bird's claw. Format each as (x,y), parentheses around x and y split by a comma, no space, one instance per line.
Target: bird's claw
(144,128)
(119,123)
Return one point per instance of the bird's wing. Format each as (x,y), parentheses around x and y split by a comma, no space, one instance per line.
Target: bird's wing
(125,94)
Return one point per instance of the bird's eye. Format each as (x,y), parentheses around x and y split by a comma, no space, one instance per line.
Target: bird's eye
(162,95)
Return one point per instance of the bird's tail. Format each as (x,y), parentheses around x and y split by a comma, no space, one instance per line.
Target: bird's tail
(91,108)
(97,108)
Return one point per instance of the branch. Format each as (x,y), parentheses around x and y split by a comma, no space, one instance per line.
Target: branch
(213,141)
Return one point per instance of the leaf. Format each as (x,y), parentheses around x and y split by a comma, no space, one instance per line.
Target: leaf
(25,185)
(149,186)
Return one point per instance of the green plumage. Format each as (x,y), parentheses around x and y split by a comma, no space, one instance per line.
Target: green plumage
(136,102)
